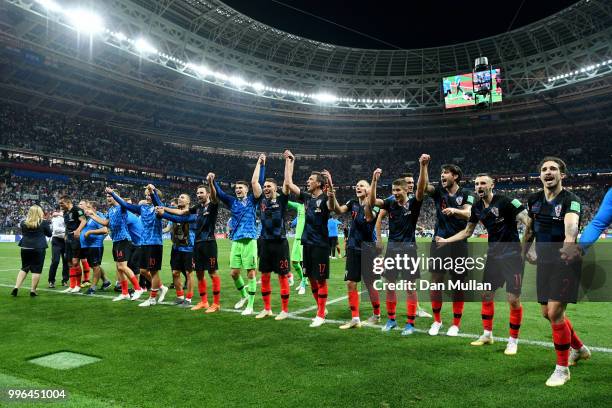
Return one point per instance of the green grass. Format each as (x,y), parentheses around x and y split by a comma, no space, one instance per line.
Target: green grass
(171,357)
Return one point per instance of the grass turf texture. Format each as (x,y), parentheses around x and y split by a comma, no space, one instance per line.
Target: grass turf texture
(169,356)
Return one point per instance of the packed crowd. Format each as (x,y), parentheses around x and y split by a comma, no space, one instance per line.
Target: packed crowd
(68,137)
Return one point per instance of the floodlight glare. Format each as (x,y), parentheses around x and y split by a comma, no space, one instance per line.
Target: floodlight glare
(85,21)
(144,47)
(50,5)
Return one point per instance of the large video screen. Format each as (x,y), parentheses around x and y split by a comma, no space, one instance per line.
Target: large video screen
(463,89)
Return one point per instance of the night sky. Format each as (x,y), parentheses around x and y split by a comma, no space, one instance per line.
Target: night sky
(400,23)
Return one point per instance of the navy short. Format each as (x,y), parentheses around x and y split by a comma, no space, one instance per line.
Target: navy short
(181,261)
(205,256)
(506,270)
(151,258)
(93,255)
(32,260)
(122,250)
(316,262)
(274,256)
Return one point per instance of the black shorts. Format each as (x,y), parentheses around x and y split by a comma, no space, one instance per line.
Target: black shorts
(558,281)
(506,270)
(122,251)
(181,261)
(205,256)
(356,260)
(151,258)
(316,262)
(134,260)
(333,242)
(32,260)
(408,273)
(455,250)
(73,248)
(260,244)
(93,255)
(274,256)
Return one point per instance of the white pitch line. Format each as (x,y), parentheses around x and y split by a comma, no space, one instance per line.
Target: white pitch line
(329,302)
(333,321)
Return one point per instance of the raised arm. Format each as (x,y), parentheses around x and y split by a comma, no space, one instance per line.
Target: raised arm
(332,203)
(379,240)
(211,185)
(375,202)
(258,174)
(177,211)
(130,207)
(289,163)
(429,188)
(157,202)
(423,177)
(225,198)
(602,219)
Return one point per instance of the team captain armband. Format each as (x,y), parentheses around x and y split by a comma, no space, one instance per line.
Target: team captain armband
(516,203)
(470,199)
(575,206)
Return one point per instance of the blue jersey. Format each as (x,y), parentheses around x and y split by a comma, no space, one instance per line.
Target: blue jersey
(117,218)
(273,216)
(332,227)
(602,219)
(449,225)
(134,226)
(94,240)
(402,219)
(151,223)
(242,224)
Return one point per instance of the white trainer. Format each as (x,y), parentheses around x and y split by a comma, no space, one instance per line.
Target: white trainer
(453,331)
(422,313)
(76,289)
(247,312)
(162,293)
(317,322)
(583,354)
(282,316)
(121,297)
(351,324)
(374,319)
(511,349)
(67,290)
(482,340)
(148,302)
(240,303)
(301,290)
(291,281)
(137,294)
(560,376)
(435,328)
(264,313)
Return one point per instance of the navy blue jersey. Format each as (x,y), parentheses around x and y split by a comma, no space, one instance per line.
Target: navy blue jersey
(272,215)
(361,230)
(317,214)
(447,226)
(499,218)
(72,219)
(206,220)
(402,219)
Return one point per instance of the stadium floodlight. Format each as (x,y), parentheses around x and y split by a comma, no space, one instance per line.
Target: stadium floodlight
(144,47)
(237,81)
(50,5)
(325,97)
(120,36)
(85,21)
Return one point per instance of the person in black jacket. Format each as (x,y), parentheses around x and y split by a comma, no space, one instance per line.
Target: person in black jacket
(33,243)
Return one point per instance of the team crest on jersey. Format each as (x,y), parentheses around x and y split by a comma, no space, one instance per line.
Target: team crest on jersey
(495,211)
(558,210)
(459,200)
(318,202)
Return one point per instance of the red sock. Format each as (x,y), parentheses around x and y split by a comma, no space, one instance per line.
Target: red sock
(216,283)
(353,298)
(153,293)
(189,295)
(266,290)
(391,304)
(516,316)
(202,289)
(562,338)
(124,287)
(487,312)
(322,298)
(314,286)
(436,304)
(85,269)
(134,281)
(411,308)
(285,291)
(73,272)
(375,299)
(180,292)
(575,340)
(78,276)
(457,312)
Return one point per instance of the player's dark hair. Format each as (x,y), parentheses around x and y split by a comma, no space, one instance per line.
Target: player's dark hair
(400,182)
(453,168)
(483,175)
(92,204)
(560,163)
(321,179)
(244,183)
(65,198)
(202,186)
(407,175)
(272,180)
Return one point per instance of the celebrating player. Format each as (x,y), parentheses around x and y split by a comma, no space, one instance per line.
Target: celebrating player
(554,222)
(403,214)
(296,248)
(499,215)
(363,220)
(453,208)
(92,246)
(74,221)
(243,233)
(315,240)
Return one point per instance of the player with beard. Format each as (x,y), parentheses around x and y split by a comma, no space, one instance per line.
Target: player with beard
(92,245)
(363,221)
(499,215)
(152,244)
(453,205)
(554,223)
(403,212)
(203,218)
(74,221)
(315,241)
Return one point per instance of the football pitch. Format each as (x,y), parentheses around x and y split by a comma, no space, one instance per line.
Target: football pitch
(167,356)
